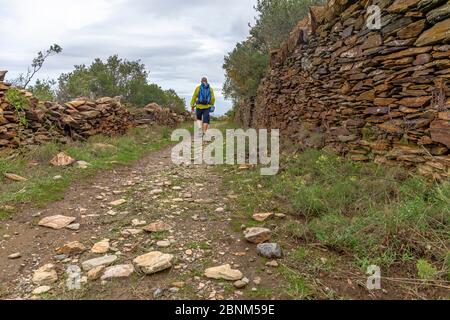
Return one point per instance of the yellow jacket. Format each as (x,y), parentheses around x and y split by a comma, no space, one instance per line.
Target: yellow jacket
(202,106)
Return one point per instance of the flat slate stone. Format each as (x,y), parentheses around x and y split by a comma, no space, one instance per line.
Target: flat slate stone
(56,222)
(97,262)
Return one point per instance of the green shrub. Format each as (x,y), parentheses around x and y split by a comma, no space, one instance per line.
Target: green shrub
(19,102)
(425,270)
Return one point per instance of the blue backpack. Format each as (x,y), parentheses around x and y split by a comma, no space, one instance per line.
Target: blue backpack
(204,97)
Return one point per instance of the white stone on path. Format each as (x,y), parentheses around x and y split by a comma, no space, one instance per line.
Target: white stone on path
(120,271)
(261,217)
(118,202)
(138,223)
(95,273)
(158,226)
(224,272)
(83,164)
(163,244)
(153,262)
(240,284)
(62,160)
(272,264)
(74,227)
(56,222)
(41,290)
(16,255)
(257,235)
(101,247)
(102,261)
(45,275)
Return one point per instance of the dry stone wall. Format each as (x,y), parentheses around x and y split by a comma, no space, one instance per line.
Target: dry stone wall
(37,122)
(380,95)
(155,114)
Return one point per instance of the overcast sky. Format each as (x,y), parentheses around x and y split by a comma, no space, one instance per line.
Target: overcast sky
(179,41)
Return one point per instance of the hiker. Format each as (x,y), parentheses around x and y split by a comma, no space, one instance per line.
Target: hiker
(203,100)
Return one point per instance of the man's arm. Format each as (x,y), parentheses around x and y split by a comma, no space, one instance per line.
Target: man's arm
(195,97)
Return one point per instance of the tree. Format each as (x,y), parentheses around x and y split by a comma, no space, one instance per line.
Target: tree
(116,77)
(24,80)
(174,102)
(152,93)
(246,65)
(44,90)
(276,20)
(74,84)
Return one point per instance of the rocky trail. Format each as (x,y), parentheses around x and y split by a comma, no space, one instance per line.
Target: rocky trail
(147,231)
(155,230)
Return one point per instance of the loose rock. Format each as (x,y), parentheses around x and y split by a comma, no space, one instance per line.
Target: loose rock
(163,244)
(74,227)
(83,164)
(224,272)
(257,235)
(72,248)
(62,160)
(101,247)
(118,202)
(120,271)
(153,262)
(240,284)
(272,264)
(261,217)
(179,284)
(41,290)
(270,250)
(102,261)
(16,255)
(15,177)
(138,223)
(158,226)
(45,275)
(95,273)
(56,222)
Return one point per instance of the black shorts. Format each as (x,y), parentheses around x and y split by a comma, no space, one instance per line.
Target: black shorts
(203,114)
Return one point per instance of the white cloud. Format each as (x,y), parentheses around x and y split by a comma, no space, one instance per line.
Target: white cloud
(179,41)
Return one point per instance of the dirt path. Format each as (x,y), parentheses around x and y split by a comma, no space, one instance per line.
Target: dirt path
(201,233)
(185,198)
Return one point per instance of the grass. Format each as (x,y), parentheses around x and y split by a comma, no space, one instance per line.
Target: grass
(41,187)
(198,245)
(299,254)
(374,214)
(296,286)
(261,293)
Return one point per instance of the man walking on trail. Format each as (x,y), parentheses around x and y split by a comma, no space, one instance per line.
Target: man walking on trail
(202,101)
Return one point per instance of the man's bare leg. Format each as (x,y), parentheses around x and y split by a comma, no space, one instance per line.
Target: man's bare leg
(205,128)
(200,127)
